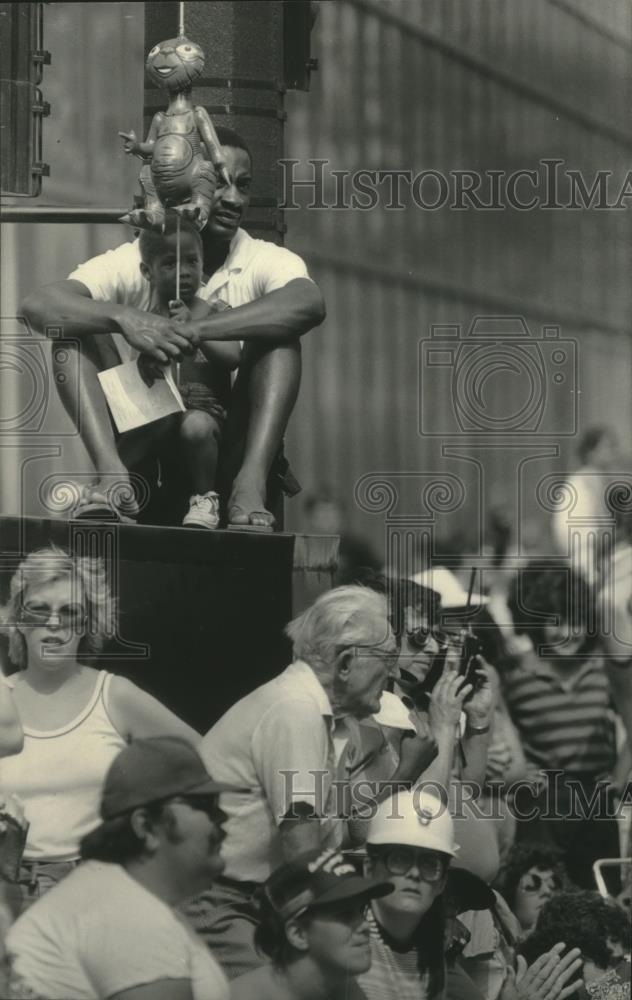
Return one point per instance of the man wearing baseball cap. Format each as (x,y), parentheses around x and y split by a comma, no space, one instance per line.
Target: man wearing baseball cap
(110,930)
(313,928)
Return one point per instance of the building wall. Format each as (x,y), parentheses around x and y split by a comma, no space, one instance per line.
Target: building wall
(95,87)
(446,85)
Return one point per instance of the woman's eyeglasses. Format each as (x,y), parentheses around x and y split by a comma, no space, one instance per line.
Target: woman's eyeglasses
(532,882)
(71,616)
(400,860)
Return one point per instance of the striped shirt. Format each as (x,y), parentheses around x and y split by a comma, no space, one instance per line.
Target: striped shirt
(393,975)
(565,723)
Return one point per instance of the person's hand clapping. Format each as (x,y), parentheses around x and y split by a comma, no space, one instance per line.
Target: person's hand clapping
(550,977)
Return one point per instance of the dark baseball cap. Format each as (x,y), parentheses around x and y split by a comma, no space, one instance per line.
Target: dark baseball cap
(323,881)
(152,769)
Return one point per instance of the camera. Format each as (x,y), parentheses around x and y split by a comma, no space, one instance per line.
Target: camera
(497,379)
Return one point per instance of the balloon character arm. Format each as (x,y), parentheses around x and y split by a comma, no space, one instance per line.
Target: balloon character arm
(211,143)
(143,150)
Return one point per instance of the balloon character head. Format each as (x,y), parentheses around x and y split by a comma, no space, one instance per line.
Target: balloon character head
(175,64)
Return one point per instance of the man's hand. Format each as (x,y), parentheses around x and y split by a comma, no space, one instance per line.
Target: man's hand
(154,335)
(546,979)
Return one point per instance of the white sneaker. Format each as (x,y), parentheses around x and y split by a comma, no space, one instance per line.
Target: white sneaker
(203,511)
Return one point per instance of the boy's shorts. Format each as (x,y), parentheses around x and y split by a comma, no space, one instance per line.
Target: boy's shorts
(197,396)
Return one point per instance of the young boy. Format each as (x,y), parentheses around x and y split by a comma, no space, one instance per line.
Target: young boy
(204,378)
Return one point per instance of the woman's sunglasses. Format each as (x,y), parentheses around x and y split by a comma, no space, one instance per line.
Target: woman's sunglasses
(532,882)
(400,860)
(69,616)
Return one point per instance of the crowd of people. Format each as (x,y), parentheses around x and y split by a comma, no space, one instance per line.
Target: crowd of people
(416,808)
(356,827)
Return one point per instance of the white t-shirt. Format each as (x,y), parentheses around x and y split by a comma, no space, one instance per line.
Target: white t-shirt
(252,269)
(99,933)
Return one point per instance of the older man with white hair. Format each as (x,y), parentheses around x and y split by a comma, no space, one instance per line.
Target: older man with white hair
(284,742)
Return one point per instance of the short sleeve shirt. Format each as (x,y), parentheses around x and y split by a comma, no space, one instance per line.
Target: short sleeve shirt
(279,742)
(99,933)
(253,268)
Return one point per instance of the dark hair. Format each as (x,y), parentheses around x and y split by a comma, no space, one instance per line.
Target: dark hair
(525,856)
(115,840)
(583,920)
(152,241)
(270,936)
(551,589)
(591,439)
(228,137)
(402,594)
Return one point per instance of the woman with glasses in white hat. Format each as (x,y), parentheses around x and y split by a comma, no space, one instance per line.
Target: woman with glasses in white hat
(75,718)
(411,844)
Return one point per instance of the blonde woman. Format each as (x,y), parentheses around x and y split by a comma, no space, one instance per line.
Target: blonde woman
(75,718)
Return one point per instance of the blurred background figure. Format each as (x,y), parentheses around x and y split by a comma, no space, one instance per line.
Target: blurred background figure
(532,874)
(324,514)
(599,456)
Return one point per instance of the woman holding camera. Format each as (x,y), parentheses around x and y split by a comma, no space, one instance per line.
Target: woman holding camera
(75,718)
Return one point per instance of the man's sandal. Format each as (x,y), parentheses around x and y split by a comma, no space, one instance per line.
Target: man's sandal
(87,509)
(249,526)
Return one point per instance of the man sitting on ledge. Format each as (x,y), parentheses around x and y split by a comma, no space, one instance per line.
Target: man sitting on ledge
(274,302)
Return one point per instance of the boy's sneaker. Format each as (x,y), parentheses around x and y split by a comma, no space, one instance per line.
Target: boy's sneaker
(203,511)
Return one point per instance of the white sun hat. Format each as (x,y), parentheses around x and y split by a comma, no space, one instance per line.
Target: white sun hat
(415,818)
(453,594)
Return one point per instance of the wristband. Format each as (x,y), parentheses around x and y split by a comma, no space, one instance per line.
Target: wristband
(476,730)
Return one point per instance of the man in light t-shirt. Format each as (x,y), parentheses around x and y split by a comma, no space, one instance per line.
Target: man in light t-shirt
(109,929)
(104,307)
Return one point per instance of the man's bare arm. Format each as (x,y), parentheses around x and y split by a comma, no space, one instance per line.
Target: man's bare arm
(69,306)
(280,316)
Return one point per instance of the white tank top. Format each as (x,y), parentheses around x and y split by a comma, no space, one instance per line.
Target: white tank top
(59,776)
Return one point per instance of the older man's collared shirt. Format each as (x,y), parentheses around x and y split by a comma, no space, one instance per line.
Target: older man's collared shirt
(278,741)
(252,269)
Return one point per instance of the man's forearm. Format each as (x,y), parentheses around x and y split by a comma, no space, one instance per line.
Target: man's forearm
(475,754)
(440,770)
(279,316)
(76,314)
